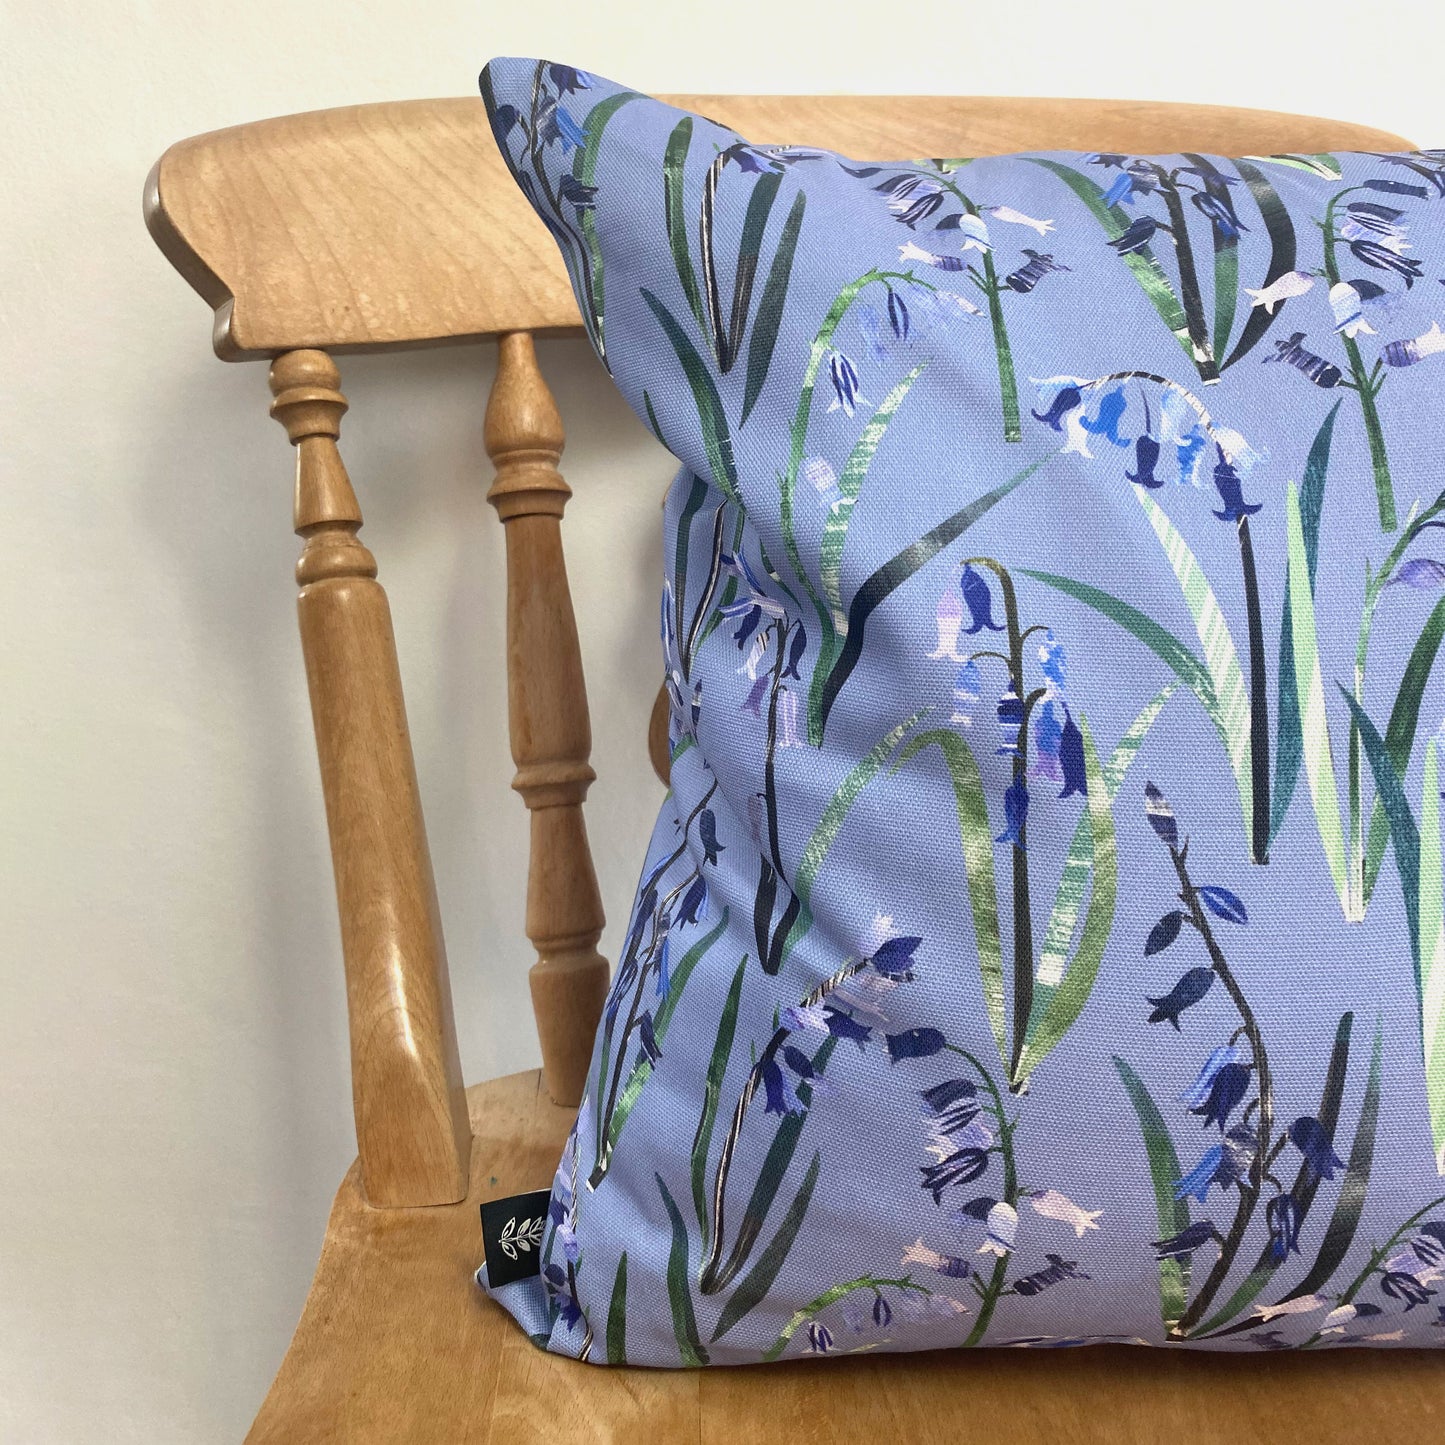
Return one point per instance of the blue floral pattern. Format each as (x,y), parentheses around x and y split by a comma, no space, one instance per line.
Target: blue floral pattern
(1043,939)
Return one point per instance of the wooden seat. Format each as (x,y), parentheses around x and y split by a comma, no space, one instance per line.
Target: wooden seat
(396,224)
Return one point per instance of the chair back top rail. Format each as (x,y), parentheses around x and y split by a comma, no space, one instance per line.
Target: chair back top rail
(396,224)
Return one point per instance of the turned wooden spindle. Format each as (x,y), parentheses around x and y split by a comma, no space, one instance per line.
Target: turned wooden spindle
(412,1131)
(550,730)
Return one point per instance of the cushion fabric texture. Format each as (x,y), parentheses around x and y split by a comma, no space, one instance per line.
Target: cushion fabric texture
(1041,941)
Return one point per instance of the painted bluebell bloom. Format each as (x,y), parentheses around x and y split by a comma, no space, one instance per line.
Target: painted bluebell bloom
(1231,491)
(844,376)
(1053,660)
(694,906)
(753,702)
(561,126)
(568,79)
(1196,1183)
(894,957)
(1183,1244)
(795,651)
(1422,573)
(664,969)
(1048,738)
(1016,814)
(912,198)
(1065,400)
(1226,1091)
(1309,1136)
(1214,202)
(898,317)
(1136,235)
(1200,1089)
(780,1097)
(967,689)
(962,1167)
(1038,265)
(1010,721)
(647,1038)
(1282,1217)
(843,1025)
(914,1044)
(1108,413)
(1071,759)
(953,1104)
(820,1338)
(882,1312)
(707,836)
(1146,458)
(1185,994)
(1407,1288)
(978,598)
(1383,258)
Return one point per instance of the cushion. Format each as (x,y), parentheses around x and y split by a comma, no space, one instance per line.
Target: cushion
(1042,939)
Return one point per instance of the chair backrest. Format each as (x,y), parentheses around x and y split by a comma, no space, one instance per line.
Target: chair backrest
(397,225)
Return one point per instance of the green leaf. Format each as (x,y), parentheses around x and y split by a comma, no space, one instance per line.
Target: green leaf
(770,307)
(695,498)
(679,1287)
(1280,229)
(759,1279)
(1289,747)
(1314,165)
(617,1316)
(1403,832)
(1231,715)
(712,1089)
(1068,1000)
(976,836)
(674,164)
(1432,952)
(1400,730)
(1165,1172)
(586,170)
(1143,264)
(850,483)
(892,575)
(717,440)
(1314,724)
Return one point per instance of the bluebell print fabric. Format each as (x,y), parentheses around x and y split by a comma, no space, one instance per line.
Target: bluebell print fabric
(1042,940)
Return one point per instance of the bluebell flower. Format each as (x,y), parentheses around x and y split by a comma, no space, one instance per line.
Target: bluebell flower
(1136,235)
(882,1312)
(1049,737)
(962,1167)
(748,614)
(953,1103)
(753,702)
(1057,1269)
(1039,265)
(913,199)
(894,958)
(1146,458)
(844,1026)
(570,189)
(1016,814)
(1421,573)
(1423,164)
(504,117)
(1053,661)
(801,1064)
(751,160)
(1398,188)
(1196,1183)
(1183,1244)
(1065,400)
(1292,351)
(557,1289)
(647,1038)
(978,598)
(844,376)
(1161,816)
(1311,1138)
(820,1338)
(897,315)
(1185,994)
(1382,258)
(1108,415)
(1001,1230)
(1406,1287)
(1413,350)
(1282,1217)
(795,652)
(572,135)
(1231,491)
(664,971)
(567,79)
(967,689)
(707,836)
(1372,218)
(914,1044)
(1010,722)
(1220,211)
(781,1097)
(1239,1146)
(1164,934)
(694,906)
(1229,1087)
(1071,758)
(1200,1089)
(1121,191)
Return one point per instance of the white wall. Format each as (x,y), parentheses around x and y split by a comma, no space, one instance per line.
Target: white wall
(174,1103)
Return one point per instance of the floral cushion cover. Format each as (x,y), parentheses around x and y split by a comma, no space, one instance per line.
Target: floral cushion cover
(1042,941)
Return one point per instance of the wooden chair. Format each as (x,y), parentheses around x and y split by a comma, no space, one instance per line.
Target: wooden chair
(396,225)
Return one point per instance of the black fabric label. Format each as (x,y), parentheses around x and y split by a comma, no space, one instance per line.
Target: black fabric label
(512,1236)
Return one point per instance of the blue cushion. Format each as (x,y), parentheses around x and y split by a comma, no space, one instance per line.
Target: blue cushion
(1042,939)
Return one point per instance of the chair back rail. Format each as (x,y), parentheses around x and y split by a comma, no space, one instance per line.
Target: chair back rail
(379,226)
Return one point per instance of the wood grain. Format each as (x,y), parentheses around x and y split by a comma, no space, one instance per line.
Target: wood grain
(393,224)
(411,1121)
(547,707)
(398,1344)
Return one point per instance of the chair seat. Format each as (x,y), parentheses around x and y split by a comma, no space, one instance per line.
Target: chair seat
(397,1344)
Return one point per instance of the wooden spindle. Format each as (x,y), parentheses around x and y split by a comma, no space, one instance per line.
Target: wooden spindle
(412,1131)
(550,730)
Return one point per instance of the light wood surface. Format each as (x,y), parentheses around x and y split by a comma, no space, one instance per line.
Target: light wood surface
(550,728)
(396,224)
(378,225)
(398,1344)
(411,1121)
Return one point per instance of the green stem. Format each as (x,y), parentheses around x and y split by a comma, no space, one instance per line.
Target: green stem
(1190,296)
(1258,696)
(1364,385)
